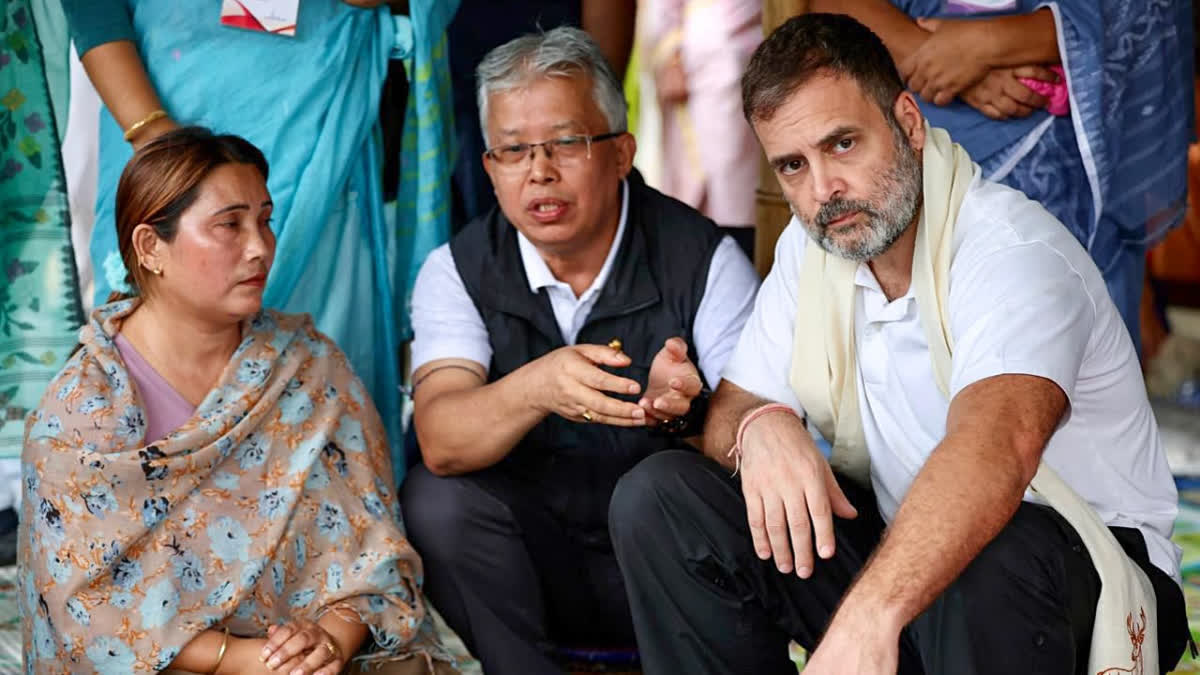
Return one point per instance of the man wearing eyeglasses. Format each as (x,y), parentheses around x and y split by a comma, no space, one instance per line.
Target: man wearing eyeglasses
(559,339)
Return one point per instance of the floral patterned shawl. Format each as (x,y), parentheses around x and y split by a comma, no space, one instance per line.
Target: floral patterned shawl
(274,501)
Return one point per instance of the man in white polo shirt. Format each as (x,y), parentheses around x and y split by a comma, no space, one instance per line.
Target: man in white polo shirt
(947,335)
(559,340)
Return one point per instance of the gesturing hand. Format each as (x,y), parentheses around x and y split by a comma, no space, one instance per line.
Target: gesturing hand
(1001,95)
(570,383)
(947,62)
(672,384)
(302,647)
(789,490)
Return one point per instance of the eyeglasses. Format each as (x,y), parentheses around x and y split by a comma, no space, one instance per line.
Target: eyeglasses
(563,152)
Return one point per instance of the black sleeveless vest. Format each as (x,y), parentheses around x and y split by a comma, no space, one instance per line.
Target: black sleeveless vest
(652,293)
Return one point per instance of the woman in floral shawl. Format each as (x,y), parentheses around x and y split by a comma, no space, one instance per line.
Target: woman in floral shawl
(207,484)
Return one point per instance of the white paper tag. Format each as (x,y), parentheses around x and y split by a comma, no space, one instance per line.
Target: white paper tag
(268,16)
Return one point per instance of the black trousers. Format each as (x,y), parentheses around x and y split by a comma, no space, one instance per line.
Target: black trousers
(508,575)
(704,603)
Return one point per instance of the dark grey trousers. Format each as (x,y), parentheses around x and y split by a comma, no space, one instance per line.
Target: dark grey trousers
(704,603)
(508,575)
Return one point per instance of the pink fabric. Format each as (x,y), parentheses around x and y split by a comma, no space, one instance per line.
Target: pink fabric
(1058,98)
(166,409)
(710,154)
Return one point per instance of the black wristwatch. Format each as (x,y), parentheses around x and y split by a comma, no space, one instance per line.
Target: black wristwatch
(690,423)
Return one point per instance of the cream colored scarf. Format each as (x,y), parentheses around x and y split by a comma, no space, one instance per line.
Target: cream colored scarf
(824,377)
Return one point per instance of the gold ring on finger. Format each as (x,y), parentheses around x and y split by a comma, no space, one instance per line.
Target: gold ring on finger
(332,649)
(587,415)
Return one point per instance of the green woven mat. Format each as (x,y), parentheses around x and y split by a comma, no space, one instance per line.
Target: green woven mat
(10,622)
(1187,535)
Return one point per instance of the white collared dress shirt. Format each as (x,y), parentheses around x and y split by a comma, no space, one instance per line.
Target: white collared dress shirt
(1025,298)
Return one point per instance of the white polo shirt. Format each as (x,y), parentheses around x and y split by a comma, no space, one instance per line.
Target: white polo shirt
(446,323)
(1025,298)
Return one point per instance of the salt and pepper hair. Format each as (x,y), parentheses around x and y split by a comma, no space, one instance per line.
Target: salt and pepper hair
(561,52)
(811,44)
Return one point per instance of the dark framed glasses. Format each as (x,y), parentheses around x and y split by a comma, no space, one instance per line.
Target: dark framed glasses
(564,151)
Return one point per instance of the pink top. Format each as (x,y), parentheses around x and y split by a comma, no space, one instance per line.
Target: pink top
(165,408)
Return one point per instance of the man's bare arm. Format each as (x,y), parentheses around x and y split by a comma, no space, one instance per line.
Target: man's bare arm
(728,405)
(465,424)
(966,493)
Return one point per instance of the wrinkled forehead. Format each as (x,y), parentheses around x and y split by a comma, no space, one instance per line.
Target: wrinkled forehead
(818,108)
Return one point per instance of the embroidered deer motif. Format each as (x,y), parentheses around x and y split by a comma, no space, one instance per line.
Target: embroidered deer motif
(1137,634)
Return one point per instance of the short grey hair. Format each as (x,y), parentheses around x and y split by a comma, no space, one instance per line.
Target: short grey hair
(561,52)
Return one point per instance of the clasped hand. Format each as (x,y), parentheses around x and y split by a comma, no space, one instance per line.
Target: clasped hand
(947,62)
(299,647)
(950,64)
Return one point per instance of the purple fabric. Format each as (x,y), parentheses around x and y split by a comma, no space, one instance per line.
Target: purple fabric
(166,409)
